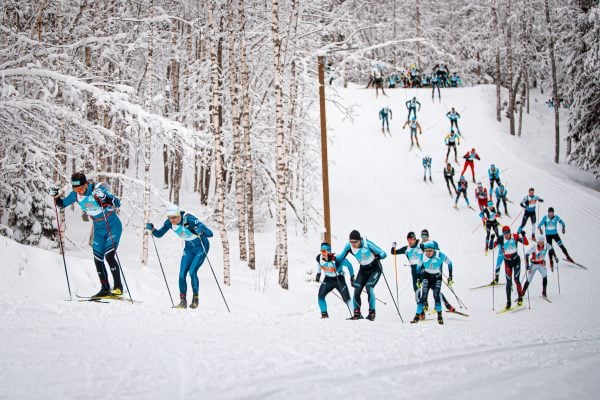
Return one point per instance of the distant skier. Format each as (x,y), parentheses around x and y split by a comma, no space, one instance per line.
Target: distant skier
(415,257)
(368,255)
(101,205)
(196,234)
(508,252)
(470,158)
(449,178)
(378,82)
(462,189)
(414,126)
(536,255)
(501,193)
(334,277)
(430,274)
(550,223)
(383,116)
(451,140)
(435,83)
(481,194)
(489,216)
(455,80)
(494,175)
(411,105)
(453,116)
(426,167)
(529,203)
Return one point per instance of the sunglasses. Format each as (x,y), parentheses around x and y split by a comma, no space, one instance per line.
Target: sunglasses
(354,241)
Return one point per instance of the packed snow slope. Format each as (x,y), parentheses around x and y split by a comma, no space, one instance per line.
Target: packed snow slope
(273,344)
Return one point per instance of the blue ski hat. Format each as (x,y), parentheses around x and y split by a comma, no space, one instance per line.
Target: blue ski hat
(428,246)
(325,246)
(490,204)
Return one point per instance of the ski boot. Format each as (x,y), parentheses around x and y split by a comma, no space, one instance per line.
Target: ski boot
(569,259)
(324,315)
(183,303)
(104,292)
(551,264)
(544,294)
(424,179)
(456,206)
(507,305)
(194,302)
(357,315)
(426,307)
(422,315)
(495,281)
(449,308)
(117,291)
(520,301)
(440,319)
(371,316)
(416,319)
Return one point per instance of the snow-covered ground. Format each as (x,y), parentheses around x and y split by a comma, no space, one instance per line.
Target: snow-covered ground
(273,344)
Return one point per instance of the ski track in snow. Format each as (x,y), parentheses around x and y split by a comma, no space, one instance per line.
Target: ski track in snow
(274,345)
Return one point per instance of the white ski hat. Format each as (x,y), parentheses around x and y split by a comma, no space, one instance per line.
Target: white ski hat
(172,210)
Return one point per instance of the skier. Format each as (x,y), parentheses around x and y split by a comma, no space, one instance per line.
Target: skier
(411,105)
(501,193)
(451,140)
(435,83)
(489,216)
(508,246)
(550,223)
(453,116)
(378,81)
(470,158)
(196,235)
(100,204)
(538,259)
(426,166)
(449,178)
(462,189)
(383,116)
(494,175)
(455,80)
(415,257)
(334,277)
(529,203)
(481,194)
(430,274)
(368,255)
(414,125)
(424,240)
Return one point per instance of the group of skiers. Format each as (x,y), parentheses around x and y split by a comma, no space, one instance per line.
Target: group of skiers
(96,200)
(412,77)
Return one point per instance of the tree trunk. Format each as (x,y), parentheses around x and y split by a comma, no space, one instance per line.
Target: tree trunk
(498,69)
(554,84)
(510,72)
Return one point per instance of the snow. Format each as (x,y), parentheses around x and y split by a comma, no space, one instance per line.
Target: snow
(273,344)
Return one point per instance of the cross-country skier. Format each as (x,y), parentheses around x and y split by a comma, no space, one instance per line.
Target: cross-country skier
(470,158)
(536,255)
(508,252)
(435,83)
(378,81)
(426,166)
(489,216)
(430,274)
(462,189)
(449,178)
(453,116)
(452,140)
(334,277)
(101,205)
(455,80)
(529,203)
(424,240)
(494,175)
(481,194)
(550,223)
(415,257)
(411,105)
(383,116)
(368,255)
(196,235)
(501,193)
(414,126)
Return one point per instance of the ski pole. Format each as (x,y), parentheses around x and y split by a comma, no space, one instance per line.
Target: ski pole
(460,303)
(390,290)
(215,276)
(516,217)
(493,280)
(337,277)
(528,299)
(558,273)
(376,298)
(62,250)
(161,268)
(396,270)
(115,247)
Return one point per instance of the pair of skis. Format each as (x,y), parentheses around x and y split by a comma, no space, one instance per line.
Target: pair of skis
(103,299)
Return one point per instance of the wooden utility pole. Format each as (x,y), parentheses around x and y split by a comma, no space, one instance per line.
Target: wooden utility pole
(324,166)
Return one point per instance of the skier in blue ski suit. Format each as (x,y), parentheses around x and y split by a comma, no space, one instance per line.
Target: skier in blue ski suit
(453,116)
(383,116)
(196,235)
(426,166)
(501,193)
(550,223)
(368,255)
(100,204)
(529,203)
(411,105)
(334,277)
(435,83)
(494,175)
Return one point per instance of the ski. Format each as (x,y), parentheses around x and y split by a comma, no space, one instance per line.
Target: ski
(547,299)
(575,263)
(486,286)
(512,309)
(93,300)
(112,297)
(458,312)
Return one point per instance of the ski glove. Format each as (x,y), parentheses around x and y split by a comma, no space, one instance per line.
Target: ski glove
(150,226)
(318,277)
(54,191)
(419,284)
(394,244)
(563,230)
(99,194)
(352,280)
(528,267)
(450,282)
(541,233)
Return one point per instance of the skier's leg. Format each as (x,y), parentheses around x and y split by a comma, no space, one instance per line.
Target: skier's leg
(341,286)
(517,277)
(359,284)
(110,252)
(371,282)
(324,290)
(98,247)
(184,267)
(413,274)
(195,265)
(424,293)
(508,272)
(436,293)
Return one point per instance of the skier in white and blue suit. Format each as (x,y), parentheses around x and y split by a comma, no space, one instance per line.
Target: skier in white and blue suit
(334,277)
(368,255)
(196,235)
(430,277)
(100,205)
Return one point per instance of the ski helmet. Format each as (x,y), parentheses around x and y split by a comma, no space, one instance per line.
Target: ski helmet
(506,230)
(325,246)
(78,179)
(355,235)
(173,211)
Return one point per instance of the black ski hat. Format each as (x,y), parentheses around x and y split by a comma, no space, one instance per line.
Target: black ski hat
(78,179)
(424,232)
(550,209)
(411,235)
(355,235)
